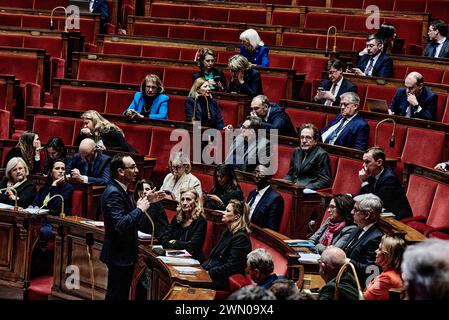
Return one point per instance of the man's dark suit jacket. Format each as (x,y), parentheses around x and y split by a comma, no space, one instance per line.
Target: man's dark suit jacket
(362,251)
(444,52)
(121,220)
(382,68)
(250,157)
(389,189)
(101,173)
(426,99)
(251,86)
(314,173)
(278,119)
(347,289)
(228,257)
(354,134)
(55,204)
(269,209)
(346,86)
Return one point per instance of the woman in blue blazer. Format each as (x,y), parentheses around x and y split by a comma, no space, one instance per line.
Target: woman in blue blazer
(149,101)
(254,49)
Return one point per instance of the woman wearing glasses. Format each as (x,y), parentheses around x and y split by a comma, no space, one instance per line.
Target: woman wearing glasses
(339,228)
(180,177)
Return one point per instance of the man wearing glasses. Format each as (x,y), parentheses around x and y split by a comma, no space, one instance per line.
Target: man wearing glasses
(375,63)
(329,91)
(438,45)
(121,221)
(348,129)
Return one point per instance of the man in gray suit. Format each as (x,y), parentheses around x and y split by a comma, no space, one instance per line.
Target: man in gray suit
(310,165)
(438,45)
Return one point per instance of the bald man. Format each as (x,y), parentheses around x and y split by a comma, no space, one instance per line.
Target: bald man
(414,100)
(332,259)
(89,165)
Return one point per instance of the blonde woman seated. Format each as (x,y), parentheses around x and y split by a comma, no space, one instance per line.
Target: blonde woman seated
(149,102)
(187,230)
(389,259)
(228,257)
(180,177)
(200,106)
(339,228)
(16,177)
(106,134)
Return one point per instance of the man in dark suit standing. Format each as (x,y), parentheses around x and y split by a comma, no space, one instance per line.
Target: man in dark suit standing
(438,45)
(348,129)
(89,165)
(375,63)
(415,100)
(310,165)
(266,204)
(101,7)
(361,250)
(380,180)
(329,91)
(121,221)
(272,115)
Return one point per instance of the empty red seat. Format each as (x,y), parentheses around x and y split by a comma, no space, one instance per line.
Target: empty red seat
(11,40)
(268,37)
(379,92)
(82,99)
(178,77)
(223,56)
(293,39)
(223,34)
(163,10)
(286,18)
(324,20)
(399,71)
(410,30)
(187,54)
(343,43)
(284,156)
(429,74)
(230,112)
(122,48)
(423,147)
(176,108)
(281,61)
(48,127)
(384,5)
(135,72)
(357,23)
(137,136)
(52,46)
(10,20)
(347,4)
(300,117)
(275,87)
(186,32)
(99,71)
(445,77)
(208,13)
(248,16)
(118,101)
(311,67)
(5,120)
(150,29)
(160,52)
(347,176)
(445,118)
(439,9)
(384,133)
(420,194)
(410,5)
(441,106)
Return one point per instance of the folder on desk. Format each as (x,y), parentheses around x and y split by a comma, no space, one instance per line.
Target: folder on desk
(187,270)
(309,258)
(179,261)
(299,243)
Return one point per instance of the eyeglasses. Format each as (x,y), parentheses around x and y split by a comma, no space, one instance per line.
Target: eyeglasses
(133,167)
(430,30)
(346,104)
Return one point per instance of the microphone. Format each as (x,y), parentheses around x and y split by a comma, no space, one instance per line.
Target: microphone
(51,18)
(61,214)
(327,40)
(157,251)
(89,243)
(392,138)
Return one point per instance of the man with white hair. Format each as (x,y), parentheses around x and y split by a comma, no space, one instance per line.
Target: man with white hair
(260,267)
(425,270)
(414,100)
(361,250)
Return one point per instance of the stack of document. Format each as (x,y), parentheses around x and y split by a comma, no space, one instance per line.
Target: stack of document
(309,258)
(36,210)
(93,223)
(177,253)
(299,243)
(179,261)
(187,270)
(143,235)
(5,206)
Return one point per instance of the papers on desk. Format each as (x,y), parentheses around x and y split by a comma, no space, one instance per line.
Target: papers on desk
(308,191)
(308,258)
(36,210)
(187,270)
(177,253)
(388,215)
(5,206)
(92,223)
(299,243)
(179,261)
(143,235)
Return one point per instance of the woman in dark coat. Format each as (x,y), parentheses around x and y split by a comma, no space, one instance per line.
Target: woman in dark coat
(244,79)
(206,59)
(16,178)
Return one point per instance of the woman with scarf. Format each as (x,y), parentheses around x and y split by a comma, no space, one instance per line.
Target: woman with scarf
(339,228)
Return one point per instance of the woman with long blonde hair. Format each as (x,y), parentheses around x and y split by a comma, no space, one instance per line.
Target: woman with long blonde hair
(187,230)
(106,134)
(228,257)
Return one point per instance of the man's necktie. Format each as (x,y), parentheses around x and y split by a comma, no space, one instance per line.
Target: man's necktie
(354,240)
(334,135)
(408,111)
(369,67)
(433,50)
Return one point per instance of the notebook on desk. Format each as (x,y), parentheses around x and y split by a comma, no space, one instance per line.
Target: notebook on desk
(376,105)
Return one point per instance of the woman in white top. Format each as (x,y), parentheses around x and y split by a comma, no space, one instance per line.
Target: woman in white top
(180,177)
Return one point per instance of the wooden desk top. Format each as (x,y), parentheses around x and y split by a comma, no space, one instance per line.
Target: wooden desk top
(180,292)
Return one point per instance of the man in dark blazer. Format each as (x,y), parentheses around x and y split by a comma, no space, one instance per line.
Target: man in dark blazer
(415,100)
(329,91)
(330,263)
(101,7)
(361,250)
(348,129)
(272,115)
(89,165)
(249,148)
(266,204)
(121,221)
(438,45)
(375,63)
(381,181)
(310,165)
